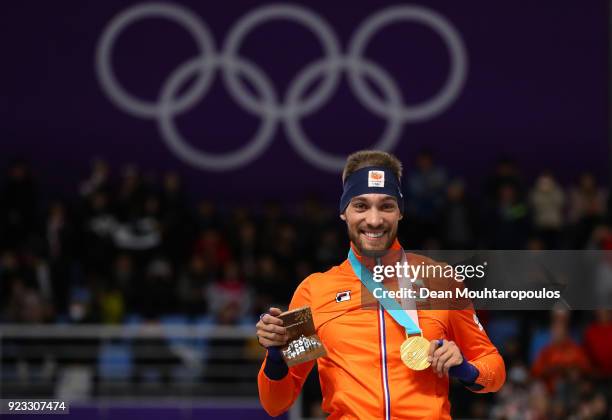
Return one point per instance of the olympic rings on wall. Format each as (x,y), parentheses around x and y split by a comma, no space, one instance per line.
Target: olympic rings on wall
(269,105)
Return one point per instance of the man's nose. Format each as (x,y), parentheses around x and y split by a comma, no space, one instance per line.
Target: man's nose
(374,218)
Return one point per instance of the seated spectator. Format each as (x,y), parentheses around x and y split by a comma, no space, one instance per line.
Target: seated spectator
(193,286)
(142,230)
(18,205)
(158,295)
(587,199)
(175,218)
(587,207)
(98,227)
(425,194)
(246,248)
(268,284)
(82,309)
(598,343)
(213,247)
(547,200)
(506,173)
(513,400)
(508,221)
(25,304)
(229,294)
(329,250)
(207,216)
(562,357)
(98,181)
(602,285)
(458,219)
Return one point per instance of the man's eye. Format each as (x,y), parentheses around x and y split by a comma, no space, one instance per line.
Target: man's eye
(359,206)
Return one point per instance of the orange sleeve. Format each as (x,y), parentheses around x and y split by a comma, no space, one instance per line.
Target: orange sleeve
(277,396)
(476,347)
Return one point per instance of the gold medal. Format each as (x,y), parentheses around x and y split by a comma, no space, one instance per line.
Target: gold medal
(414,352)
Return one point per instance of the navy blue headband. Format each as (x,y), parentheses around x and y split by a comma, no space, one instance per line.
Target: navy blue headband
(371,180)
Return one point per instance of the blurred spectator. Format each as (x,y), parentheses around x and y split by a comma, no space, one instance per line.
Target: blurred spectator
(141,231)
(587,199)
(129,194)
(313,217)
(326,254)
(425,193)
(39,271)
(60,234)
(587,207)
(213,248)
(98,181)
(506,173)
(81,308)
(598,343)
(112,306)
(175,218)
(458,219)
(547,200)
(61,245)
(268,284)
(508,221)
(562,357)
(98,227)
(514,399)
(25,304)
(246,249)
(601,239)
(595,407)
(9,269)
(207,217)
(158,294)
(286,246)
(229,298)
(123,277)
(18,205)
(193,286)
(270,222)
(303,269)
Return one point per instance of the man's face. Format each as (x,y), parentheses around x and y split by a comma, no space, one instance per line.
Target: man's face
(372,221)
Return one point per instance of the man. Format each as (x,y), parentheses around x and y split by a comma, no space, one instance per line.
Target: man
(363,376)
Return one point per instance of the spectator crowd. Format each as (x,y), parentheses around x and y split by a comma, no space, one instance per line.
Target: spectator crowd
(126,243)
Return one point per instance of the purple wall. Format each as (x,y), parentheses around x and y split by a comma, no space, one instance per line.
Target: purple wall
(536,88)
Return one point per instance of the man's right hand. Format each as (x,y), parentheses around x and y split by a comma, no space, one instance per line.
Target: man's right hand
(270,330)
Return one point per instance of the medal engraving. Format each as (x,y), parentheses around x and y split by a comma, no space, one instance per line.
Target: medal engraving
(414,352)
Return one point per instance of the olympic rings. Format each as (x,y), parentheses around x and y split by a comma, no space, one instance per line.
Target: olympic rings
(268,104)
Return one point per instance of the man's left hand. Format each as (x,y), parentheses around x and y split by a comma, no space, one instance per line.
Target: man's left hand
(443,357)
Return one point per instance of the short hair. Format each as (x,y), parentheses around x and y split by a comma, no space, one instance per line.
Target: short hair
(364,158)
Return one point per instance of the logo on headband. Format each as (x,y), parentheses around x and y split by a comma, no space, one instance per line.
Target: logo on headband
(376,179)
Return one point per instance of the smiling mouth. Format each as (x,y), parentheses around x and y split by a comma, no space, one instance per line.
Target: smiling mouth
(373,235)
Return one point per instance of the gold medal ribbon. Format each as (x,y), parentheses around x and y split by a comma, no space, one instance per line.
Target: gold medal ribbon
(414,350)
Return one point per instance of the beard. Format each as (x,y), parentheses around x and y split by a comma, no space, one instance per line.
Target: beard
(372,250)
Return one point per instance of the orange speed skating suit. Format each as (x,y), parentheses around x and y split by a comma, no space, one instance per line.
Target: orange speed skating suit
(362,376)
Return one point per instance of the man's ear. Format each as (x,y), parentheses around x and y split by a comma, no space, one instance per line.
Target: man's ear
(343,217)
(401,216)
